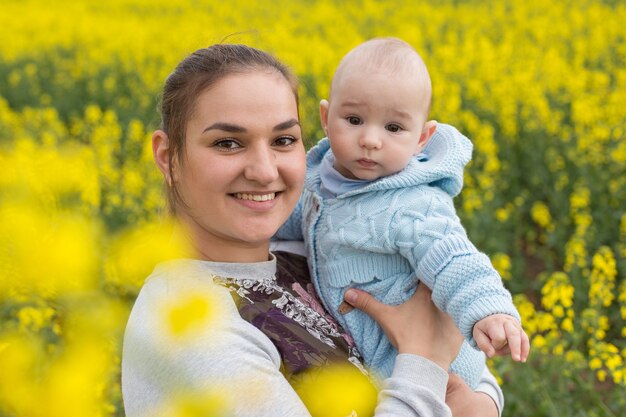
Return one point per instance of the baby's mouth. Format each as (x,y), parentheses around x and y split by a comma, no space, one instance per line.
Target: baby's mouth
(366,162)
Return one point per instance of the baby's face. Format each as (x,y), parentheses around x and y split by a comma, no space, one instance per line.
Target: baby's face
(374,122)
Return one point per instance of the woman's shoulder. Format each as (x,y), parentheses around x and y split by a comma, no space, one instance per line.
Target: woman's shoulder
(170,277)
(176,295)
(185,330)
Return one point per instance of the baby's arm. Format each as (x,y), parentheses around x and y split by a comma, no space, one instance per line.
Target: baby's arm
(464,283)
(500,334)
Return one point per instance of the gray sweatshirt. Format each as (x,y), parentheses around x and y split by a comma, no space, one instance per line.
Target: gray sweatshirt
(186,341)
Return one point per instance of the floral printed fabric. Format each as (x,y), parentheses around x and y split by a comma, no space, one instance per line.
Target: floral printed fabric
(288,311)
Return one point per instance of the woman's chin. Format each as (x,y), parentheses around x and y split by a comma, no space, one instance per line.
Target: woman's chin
(258,236)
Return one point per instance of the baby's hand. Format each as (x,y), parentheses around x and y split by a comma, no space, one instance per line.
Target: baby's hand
(501,334)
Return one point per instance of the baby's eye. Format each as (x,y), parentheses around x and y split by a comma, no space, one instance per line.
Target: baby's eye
(393,128)
(226,144)
(285,141)
(354,120)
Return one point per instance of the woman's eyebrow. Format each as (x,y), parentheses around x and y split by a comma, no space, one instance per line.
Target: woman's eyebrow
(286,125)
(231,128)
(226,127)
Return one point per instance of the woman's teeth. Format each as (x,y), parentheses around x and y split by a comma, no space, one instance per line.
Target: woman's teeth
(255,197)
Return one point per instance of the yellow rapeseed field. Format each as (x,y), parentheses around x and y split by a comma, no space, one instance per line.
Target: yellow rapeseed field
(539,88)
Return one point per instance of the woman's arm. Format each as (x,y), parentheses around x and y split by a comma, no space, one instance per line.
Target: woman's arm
(467,403)
(488,385)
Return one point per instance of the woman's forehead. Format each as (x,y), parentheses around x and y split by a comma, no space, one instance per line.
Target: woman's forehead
(256,97)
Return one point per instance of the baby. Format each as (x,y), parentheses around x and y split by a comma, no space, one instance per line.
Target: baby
(377,211)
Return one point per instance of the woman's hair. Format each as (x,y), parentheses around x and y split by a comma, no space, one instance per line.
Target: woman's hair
(193,75)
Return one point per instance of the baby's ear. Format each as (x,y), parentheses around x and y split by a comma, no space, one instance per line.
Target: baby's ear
(324,115)
(427,132)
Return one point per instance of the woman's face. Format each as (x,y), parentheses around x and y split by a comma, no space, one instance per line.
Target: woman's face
(244,165)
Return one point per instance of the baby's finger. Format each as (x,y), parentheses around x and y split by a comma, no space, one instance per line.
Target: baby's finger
(525,350)
(514,338)
(503,351)
(501,345)
(484,343)
(498,336)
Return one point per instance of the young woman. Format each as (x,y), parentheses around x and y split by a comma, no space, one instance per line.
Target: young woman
(231,153)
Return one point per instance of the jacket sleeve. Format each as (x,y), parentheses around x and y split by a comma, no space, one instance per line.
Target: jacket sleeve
(462,279)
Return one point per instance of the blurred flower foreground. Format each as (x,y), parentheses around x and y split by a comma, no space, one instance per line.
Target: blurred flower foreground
(539,88)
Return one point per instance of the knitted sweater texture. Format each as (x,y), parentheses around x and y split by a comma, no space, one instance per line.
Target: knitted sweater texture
(385,236)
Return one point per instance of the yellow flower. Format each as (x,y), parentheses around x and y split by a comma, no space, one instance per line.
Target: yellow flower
(574,356)
(557,293)
(595,363)
(539,341)
(602,280)
(558,349)
(34,319)
(195,404)
(567,325)
(336,390)
(580,198)
(540,214)
(502,263)
(614,362)
(502,214)
(188,313)
(575,254)
(135,253)
(618,376)
(35,244)
(558,311)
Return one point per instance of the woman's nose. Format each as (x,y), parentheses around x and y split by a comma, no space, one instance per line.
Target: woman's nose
(261,166)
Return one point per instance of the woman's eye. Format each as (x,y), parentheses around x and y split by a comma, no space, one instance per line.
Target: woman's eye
(354,120)
(226,144)
(393,128)
(285,141)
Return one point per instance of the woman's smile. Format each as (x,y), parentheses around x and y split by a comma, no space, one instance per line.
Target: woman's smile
(257,201)
(255,197)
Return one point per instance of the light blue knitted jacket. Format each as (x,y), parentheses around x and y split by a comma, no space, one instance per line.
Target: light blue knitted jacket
(385,235)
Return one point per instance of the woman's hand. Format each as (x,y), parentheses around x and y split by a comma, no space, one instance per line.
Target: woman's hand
(416,327)
(464,402)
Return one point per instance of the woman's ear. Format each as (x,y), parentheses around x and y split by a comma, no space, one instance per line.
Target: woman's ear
(324,115)
(161,152)
(427,132)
